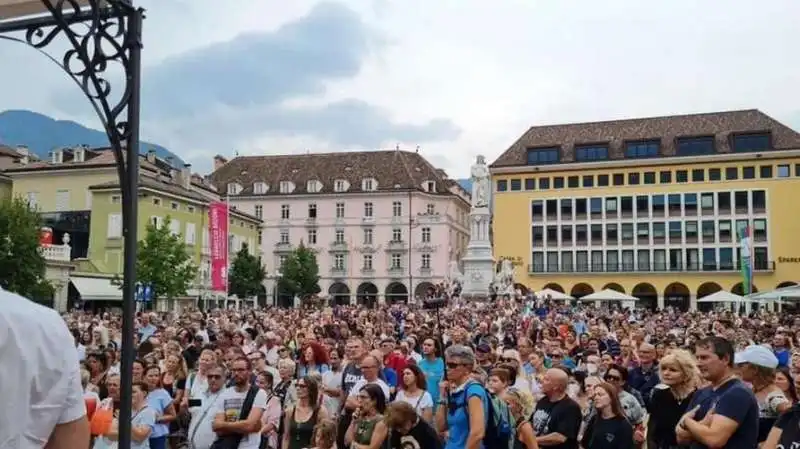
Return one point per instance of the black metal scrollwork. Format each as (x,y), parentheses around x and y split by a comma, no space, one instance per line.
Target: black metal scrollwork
(98,40)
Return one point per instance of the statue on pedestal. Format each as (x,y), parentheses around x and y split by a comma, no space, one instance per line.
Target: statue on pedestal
(504,279)
(480,183)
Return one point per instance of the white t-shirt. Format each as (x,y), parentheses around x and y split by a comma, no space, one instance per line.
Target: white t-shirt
(200,434)
(332,379)
(360,384)
(230,404)
(419,403)
(40,372)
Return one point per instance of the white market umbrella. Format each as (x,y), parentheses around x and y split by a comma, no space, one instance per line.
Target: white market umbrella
(723,296)
(553,294)
(609,295)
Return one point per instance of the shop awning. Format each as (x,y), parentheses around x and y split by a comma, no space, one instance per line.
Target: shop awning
(96,289)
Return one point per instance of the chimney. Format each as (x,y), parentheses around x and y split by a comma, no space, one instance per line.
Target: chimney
(151,156)
(25,154)
(219,161)
(186,176)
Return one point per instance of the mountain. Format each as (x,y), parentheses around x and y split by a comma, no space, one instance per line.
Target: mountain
(465,183)
(41,134)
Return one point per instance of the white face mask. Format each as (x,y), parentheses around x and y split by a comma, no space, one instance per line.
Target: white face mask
(573,390)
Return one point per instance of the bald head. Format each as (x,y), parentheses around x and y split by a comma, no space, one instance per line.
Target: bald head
(558,378)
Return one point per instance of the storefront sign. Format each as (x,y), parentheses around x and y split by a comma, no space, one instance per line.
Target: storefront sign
(788,259)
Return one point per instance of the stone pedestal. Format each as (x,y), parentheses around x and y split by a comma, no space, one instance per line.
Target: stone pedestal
(479,266)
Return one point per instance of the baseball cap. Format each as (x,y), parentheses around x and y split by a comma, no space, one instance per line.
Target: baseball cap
(756,355)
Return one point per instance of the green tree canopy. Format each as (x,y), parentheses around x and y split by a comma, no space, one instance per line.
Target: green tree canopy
(246,275)
(300,273)
(164,262)
(22,266)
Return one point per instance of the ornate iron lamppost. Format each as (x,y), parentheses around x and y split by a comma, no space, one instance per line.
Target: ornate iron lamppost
(100,34)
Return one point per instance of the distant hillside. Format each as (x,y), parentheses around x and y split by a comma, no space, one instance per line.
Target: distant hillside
(41,134)
(465,183)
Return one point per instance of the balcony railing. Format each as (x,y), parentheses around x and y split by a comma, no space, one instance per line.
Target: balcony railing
(758,266)
(426,271)
(338,271)
(396,245)
(396,271)
(283,247)
(56,253)
(338,246)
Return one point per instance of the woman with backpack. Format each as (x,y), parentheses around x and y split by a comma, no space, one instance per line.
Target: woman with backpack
(463,404)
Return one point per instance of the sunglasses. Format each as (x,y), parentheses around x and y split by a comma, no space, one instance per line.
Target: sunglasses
(508,359)
(453,365)
(612,378)
(214,376)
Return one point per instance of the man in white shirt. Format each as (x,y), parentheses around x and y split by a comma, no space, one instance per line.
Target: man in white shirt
(230,403)
(41,386)
(370,367)
(201,435)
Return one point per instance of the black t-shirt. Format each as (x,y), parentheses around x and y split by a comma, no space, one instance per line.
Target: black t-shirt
(733,400)
(665,411)
(789,423)
(563,416)
(420,436)
(613,433)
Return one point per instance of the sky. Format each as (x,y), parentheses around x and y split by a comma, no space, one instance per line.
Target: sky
(454,78)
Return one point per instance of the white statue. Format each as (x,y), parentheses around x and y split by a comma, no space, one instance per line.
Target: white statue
(454,274)
(504,279)
(480,183)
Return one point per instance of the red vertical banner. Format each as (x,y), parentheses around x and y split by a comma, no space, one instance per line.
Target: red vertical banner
(218,236)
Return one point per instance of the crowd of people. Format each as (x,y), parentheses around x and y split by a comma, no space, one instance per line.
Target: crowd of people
(512,373)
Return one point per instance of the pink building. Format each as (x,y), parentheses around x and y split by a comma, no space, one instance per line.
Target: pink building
(382,223)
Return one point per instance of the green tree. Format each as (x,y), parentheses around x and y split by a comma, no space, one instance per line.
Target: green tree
(22,266)
(300,273)
(164,262)
(246,276)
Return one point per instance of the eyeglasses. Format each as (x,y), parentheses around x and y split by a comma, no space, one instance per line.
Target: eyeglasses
(453,365)
(612,378)
(369,367)
(508,359)
(214,376)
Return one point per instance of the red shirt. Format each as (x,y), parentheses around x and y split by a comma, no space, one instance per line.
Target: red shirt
(395,361)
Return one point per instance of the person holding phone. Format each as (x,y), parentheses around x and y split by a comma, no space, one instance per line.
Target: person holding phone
(202,406)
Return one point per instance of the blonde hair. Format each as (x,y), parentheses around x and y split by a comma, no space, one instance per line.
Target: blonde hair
(685,362)
(522,398)
(288,364)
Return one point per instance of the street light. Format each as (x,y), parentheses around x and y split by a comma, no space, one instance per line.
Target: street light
(99,34)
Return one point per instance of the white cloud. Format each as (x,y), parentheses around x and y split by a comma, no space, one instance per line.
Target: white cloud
(494,68)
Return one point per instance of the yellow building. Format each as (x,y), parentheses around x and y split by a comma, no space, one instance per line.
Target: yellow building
(650,207)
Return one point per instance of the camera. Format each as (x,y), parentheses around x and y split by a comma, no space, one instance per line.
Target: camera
(434,303)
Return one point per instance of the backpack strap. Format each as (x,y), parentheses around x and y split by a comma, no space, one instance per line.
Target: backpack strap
(248,402)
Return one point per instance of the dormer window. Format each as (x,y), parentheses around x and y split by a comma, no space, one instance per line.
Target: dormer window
(313,186)
(429,186)
(234,188)
(341,185)
(57,157)
(369,184)
(287,187)
(260,188)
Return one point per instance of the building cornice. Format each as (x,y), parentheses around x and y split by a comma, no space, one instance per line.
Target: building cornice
(646,162)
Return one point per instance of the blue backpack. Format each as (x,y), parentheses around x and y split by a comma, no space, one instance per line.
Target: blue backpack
(500,428)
